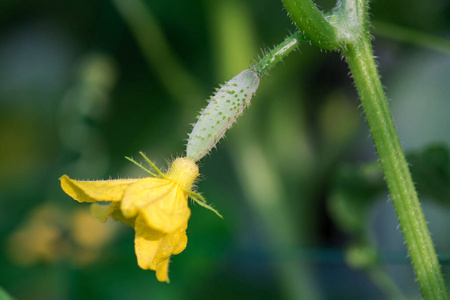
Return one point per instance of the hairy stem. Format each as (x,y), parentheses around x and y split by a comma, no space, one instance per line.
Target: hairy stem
(312,23)
(272,57)
(350,29)
(359,56)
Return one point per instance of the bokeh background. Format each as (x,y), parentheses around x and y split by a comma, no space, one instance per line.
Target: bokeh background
(306,215)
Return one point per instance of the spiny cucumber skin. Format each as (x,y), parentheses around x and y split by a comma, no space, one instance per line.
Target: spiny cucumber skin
(224,107)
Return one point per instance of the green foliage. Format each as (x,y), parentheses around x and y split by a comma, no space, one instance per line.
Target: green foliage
(430,170)
(355,188)
(4,295)
(354,191)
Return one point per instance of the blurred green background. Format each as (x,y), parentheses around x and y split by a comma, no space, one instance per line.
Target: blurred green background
(306,215)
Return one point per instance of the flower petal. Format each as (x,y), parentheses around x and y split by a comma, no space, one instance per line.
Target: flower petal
(162,202)
(141,193)
(102,212)
(153,248)
(146,243)
(162,271)
(92,191)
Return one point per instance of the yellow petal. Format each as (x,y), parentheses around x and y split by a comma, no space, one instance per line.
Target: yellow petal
(146,243)
(153,248)
(169,213)
(118,216)
(141,193)
(162,202)
(102,212)
(162,271)
(91,191)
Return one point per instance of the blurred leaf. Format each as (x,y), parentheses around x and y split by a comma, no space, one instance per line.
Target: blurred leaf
(338,120)
(354,192)
(431,172)
(355,187)
(361,256)
(4,295)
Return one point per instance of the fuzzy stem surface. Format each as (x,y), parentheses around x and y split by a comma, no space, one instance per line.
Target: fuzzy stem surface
(272,57)
(312,23)
(359,57)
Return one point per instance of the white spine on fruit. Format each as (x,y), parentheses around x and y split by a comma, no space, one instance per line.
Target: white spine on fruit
(224,107)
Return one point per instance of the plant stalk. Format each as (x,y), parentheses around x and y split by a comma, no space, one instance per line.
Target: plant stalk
(312,23)
(350,31)
(272,57)
(359,57)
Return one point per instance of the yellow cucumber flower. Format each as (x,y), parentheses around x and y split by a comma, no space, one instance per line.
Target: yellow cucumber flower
(155,206)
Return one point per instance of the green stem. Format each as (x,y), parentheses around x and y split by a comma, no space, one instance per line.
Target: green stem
(352,34)
(360,58)
(312,23)
(272,57)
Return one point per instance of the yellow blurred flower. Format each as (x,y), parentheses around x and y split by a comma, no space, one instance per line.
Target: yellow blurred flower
(39,238)
(155,206)
(89,236)
(50,234)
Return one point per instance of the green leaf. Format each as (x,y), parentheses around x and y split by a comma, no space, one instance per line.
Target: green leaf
(430,171)
(352,196)
(355,187)
(4,295)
